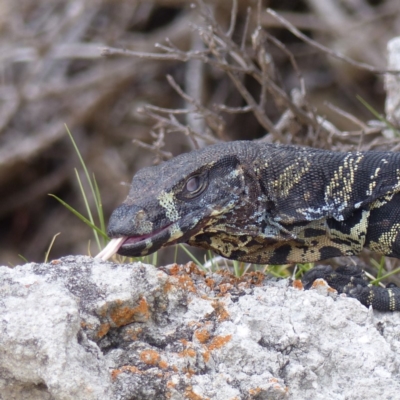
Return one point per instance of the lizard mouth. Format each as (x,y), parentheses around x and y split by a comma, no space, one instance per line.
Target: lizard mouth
(140,245)
(136,239)
(136,245)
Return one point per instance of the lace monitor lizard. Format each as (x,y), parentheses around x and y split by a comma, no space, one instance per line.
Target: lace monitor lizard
(270,203)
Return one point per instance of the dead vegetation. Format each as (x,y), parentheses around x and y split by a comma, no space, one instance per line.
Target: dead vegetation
(137,82)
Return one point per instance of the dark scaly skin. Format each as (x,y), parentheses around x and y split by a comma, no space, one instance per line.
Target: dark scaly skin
(352,281)
(266,203)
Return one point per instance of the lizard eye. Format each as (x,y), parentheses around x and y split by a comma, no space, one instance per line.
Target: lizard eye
(194,186)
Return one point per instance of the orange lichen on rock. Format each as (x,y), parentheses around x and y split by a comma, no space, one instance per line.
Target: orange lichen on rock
(189,372)
(124,315)
(187,353)
(202,335)
(192,395)
(298,284)
(322,284)
(219,341)
(55,262)
(225,287)
(170,384)
(126,368)
(85,325)
(206,355)
(174,269)
(210,282)
(256,277)
(192,268)
(103,330)
(278,386)
(220,310)
(163,364)
(185,282)
(179,282)
(133,332)
(254,392)
(150,357)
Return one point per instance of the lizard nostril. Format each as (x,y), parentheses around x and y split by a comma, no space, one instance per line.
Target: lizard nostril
(141,223)
(140,216)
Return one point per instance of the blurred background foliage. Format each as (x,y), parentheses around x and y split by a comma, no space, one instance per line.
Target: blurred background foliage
(235,72)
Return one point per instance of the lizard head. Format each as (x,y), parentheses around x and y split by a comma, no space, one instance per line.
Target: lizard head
(188,195)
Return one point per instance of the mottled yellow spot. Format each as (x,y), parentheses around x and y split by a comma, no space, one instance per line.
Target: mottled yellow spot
(340,187)
(356,236)
(290,177)
(167,201)
(392,300)
(175,231)
(384,245)
(373,182)
(371,296)
(381,201)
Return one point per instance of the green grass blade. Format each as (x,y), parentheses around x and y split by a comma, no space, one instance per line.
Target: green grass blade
(278,271)
(100,205)
(23,258)
(87,207)
(46,257)
(302,269)
(380,267)
(376,281)
(194,259)
(236,268)
(211,258)
(83,165)
(378,116)
(94,189)
(154,259)
(80,216)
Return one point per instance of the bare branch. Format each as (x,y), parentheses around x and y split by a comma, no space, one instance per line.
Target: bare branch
(166,110)
(292,60)
(347,115)
(233,18)
(171,124)
(154,148)
(234,110)
(172,55)
(327,50)
(246,28)
(214,120)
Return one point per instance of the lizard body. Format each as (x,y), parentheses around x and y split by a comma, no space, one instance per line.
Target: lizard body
(265,203)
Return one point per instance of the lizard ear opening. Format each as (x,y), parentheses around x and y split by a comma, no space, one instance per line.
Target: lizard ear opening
(194,186)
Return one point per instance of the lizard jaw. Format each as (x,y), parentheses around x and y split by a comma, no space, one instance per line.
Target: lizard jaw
(134,246)
(173,233)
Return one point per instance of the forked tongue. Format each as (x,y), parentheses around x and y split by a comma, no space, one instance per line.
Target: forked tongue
(111,248)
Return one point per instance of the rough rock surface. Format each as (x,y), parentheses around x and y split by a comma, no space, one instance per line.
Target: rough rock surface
(77,328)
